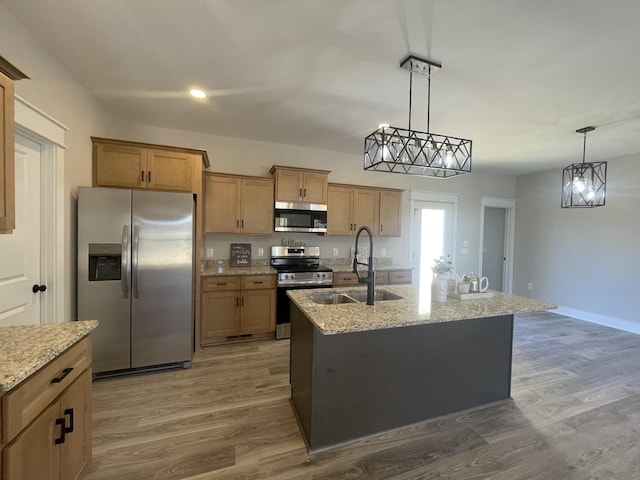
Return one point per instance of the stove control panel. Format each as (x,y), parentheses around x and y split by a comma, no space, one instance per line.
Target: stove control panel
(305,278)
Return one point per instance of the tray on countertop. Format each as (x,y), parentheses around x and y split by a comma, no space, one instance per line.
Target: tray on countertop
(471,296)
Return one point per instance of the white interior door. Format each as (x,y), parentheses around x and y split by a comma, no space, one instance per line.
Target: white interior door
(432,237)
(20,252)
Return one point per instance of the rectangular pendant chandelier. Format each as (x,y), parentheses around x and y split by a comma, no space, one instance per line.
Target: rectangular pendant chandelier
(412,152)
(584,185)
(397,150)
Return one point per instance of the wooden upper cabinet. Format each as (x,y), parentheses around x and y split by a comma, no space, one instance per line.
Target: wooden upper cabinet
(222,204)
(366,208)
(390,222)
(119,163)
(169,170)
(8,75)
(7,142)
(351,207)
(119,166)
(238,204)
(339,211)
(300,184)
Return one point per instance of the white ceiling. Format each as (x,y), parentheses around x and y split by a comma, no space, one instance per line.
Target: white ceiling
(518,77)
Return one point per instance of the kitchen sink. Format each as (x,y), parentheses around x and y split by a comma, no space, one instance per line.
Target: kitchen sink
(378,295)
(331,298)
(352,296)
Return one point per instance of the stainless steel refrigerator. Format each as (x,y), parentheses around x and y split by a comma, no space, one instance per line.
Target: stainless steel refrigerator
(135,276)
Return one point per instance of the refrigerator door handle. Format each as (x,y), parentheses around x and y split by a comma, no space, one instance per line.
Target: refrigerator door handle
(134,261)
(124,265)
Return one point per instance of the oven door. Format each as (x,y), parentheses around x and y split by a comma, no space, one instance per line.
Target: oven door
(283,309)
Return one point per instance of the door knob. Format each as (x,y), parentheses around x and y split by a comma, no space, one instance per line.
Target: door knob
(38,288)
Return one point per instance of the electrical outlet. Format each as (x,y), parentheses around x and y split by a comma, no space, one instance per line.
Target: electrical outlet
(530,286)
(260,252)
(383,252)
(209,253)
(335,252)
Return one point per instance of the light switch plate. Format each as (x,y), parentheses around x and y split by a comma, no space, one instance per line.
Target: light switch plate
(335,252)
(260,252)
(209,253)
(383,252)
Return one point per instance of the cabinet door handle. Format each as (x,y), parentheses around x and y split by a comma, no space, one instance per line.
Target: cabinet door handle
(237,301)
(305,193)
(69,429)
(149,176)
(65,372)
(242,303)
(237,223)
(60,439)
(381,227)
(142,175)
(242,223)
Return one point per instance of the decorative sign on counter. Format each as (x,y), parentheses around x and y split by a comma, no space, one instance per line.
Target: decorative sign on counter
(240,255)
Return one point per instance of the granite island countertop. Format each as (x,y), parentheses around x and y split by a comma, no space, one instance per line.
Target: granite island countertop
(24,349)
(415,308)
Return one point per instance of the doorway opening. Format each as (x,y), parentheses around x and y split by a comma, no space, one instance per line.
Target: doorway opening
(497,228)
(432,235)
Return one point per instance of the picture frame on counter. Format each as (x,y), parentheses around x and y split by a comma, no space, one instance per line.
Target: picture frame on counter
(240,255)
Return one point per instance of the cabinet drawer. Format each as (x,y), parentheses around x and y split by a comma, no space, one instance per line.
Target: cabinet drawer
(25,402)
(220,283)
(344,278)
(382,278)
(252,282)
(400,276)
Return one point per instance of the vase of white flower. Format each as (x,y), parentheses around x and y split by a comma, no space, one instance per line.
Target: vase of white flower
(440,282)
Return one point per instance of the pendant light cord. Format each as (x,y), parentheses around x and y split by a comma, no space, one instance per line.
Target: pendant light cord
(584,147)
(429,99)
(410,88)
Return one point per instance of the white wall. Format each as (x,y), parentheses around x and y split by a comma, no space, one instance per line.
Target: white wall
(585,260)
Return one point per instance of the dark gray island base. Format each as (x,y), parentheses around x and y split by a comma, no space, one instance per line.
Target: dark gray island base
(352,385)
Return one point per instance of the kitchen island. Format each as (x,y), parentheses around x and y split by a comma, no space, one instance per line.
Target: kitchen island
(358,370)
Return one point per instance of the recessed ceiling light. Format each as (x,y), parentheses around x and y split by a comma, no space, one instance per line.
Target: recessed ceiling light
(197,93)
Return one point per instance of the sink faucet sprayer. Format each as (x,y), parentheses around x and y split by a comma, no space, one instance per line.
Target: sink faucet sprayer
(370,278)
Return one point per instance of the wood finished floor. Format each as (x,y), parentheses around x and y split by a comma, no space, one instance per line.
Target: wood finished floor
(574,414)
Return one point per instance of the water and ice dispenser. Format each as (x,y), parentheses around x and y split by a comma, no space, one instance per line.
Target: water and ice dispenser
(105,260)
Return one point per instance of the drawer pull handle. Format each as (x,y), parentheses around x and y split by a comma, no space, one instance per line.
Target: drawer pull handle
(257,283)
(65,372)
(221,284)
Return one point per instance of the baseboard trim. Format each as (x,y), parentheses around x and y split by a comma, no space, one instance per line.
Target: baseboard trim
(612,322)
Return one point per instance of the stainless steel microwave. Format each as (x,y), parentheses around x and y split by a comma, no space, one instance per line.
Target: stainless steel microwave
(300,217)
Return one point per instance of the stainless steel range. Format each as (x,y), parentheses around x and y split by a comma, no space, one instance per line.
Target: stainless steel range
(298,267)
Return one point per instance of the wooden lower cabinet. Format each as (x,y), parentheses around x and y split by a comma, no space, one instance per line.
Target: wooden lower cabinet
(237,307)
(56,444)
(383,277)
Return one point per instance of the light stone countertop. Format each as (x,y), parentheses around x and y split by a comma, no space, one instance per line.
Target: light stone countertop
(390,267)
(415,308)
(24,349)
(230,271)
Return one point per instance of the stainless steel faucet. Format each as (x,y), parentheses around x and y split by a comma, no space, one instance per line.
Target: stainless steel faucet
(370,278)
